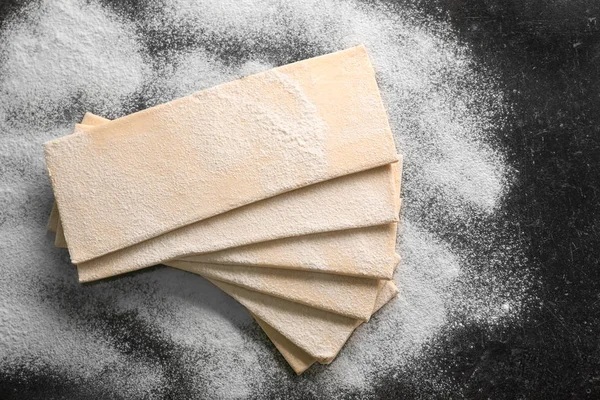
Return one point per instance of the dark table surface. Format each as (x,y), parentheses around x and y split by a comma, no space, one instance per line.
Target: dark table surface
(547,55)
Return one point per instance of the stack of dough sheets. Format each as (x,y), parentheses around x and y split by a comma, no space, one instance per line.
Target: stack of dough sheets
(281,188)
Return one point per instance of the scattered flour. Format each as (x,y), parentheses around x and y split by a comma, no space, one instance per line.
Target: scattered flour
(61,58)
(62,52)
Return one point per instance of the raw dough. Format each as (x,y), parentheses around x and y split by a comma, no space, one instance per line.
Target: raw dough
(343,295)
(297,358)
(59,239)
(365,199)
(374,255)
(135,178)
(92,120)
(319,333)
(364,252)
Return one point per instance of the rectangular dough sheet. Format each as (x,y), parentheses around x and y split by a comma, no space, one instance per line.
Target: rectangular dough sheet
(297,358)
(336,204)
(132,179)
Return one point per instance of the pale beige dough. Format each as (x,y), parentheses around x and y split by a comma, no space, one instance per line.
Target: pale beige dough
(368,253)
(53,220)
(93,120)
(360,199)
(344,295)
(349,296)
(318,333)
(126,181)
(364,252)
(365,199)
(297,358)
(59,239)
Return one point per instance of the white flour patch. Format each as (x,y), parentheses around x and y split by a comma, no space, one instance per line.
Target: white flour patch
(62,51)
(458,257)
